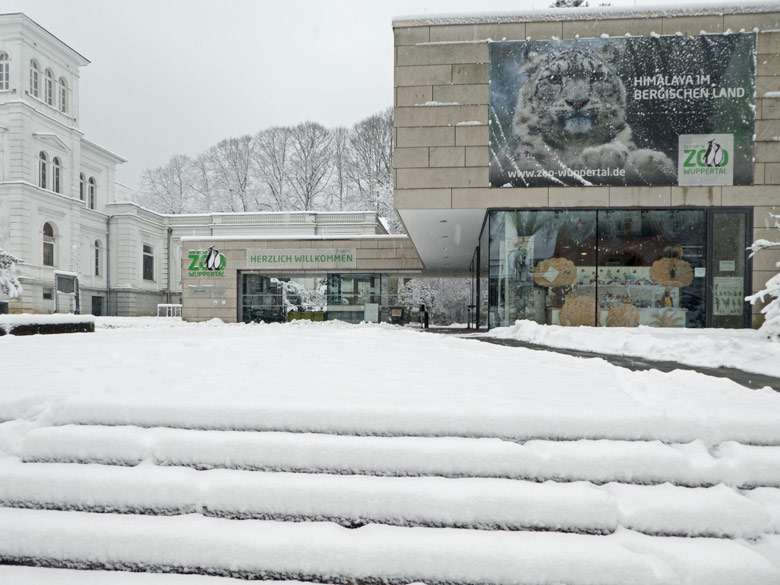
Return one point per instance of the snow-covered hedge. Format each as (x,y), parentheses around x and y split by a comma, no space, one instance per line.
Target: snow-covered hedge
(25,324)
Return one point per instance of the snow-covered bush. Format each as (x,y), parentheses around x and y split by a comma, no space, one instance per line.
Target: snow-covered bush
(9,284)
(771,311)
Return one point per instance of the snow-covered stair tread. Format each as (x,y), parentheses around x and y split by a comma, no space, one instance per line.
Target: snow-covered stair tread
(599,461)
(24,575)
(405,501)
(373,554)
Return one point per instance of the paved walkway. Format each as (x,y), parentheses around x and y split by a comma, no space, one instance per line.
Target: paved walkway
(747,379)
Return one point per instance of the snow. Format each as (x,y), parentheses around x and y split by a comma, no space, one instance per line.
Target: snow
(40,576)
(486,503)
(590,13)
(600,461)
(397,554)
(343,453)
(744,349)
(433,103)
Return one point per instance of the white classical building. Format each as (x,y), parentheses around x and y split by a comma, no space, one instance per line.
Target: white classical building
(61,211)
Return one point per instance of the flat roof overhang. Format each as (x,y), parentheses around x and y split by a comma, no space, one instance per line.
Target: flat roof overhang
(445,239)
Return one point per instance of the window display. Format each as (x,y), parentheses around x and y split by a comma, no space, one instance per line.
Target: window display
(614,268)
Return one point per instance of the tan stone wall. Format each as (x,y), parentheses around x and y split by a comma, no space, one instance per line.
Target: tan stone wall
(383,254)
(441,117)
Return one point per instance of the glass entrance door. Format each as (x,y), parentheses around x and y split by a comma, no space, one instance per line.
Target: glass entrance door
(728,263)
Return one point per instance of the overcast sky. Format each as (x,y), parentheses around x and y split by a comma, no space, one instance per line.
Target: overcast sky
(176,76)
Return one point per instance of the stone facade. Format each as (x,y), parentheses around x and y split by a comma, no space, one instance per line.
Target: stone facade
(441,107)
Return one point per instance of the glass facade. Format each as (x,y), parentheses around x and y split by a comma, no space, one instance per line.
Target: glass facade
(346,297)
(614,267)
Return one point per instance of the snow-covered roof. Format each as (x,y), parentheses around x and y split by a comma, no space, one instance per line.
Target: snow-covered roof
(589,13)
(302,237)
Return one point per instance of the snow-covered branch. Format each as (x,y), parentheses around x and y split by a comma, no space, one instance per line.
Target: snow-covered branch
(9,284)
(771,311)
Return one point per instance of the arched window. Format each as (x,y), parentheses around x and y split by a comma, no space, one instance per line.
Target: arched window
(48,89)
(92,192)
(82,180)
(48,244)
(63,95)
(98,269)
(5,71)
(34,79)
(56,178)
(42,169)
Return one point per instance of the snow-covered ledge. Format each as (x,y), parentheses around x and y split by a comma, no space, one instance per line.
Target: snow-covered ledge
(589,13)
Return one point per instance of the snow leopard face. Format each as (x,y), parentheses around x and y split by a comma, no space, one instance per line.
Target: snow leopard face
(572,98)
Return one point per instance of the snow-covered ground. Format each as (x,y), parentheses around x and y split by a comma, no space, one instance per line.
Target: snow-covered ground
(744,349)
(371,452)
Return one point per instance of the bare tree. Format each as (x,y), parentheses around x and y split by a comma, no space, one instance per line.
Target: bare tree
(230,161)
(281,168)
(271,156)
(340,162)
(168,188)
(311,163)
(202,184)
(371,161)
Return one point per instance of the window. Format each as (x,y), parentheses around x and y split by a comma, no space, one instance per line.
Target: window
(82,180)
(48,293)
(34,82)
(148,262)
(49,87)
(63,95)
(48,244)
(42,169)
(97,257)
(91,192)
(56,175)
(5,71)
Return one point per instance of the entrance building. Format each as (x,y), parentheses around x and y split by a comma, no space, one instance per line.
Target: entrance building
(591,167)
(349,278)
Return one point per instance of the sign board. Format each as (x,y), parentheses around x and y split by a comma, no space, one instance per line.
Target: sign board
(729,295)
(301,259)
(208,263)
(633,111)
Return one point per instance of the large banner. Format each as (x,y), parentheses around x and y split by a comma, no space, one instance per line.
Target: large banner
(633,111)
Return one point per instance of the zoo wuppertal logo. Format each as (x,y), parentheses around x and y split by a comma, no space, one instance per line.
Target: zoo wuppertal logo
(706,159)
(209,262)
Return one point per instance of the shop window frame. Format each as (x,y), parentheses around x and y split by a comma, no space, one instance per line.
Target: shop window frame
(709,213)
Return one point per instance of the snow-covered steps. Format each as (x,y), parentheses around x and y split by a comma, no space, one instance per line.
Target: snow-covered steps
(377,554)
(600,461)
(26,575)
(662,411)
(487,504)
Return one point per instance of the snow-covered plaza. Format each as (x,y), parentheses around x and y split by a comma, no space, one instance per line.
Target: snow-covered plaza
(336,453)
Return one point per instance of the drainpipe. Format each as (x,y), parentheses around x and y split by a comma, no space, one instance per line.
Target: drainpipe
(108,265)
(170,231)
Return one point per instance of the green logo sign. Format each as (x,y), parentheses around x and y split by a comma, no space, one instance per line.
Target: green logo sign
(712,156)
(706,159)
(206,263)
